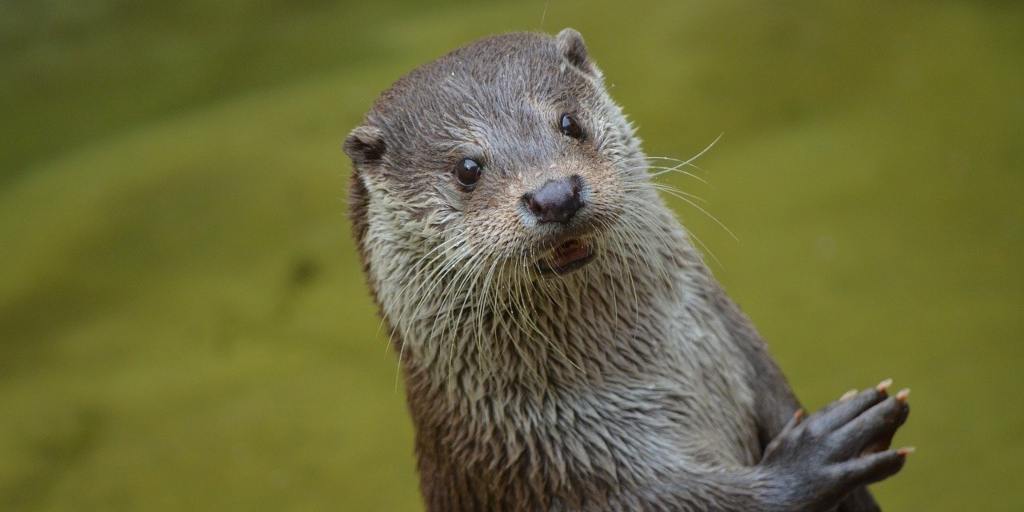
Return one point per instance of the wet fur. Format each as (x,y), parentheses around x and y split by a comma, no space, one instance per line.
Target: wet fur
(631,384)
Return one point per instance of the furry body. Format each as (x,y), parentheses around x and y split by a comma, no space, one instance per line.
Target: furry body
(632,383)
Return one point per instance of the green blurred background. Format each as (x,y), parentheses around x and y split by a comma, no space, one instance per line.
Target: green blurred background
(184,325)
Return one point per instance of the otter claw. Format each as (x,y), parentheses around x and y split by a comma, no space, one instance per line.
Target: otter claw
(843,446)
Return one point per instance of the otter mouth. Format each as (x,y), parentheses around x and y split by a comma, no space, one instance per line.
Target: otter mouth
(566,257)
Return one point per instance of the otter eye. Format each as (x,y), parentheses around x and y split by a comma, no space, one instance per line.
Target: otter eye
(570,127)
(467,171)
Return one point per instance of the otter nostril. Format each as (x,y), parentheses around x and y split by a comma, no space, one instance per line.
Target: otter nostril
(532,204)
(577,186)
(556,200)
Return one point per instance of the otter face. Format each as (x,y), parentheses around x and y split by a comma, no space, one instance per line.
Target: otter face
(502,162)
(509,147)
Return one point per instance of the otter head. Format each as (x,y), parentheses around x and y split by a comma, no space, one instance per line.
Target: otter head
(496,178)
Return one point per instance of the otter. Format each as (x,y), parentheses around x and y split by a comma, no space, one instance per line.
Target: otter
(562,343)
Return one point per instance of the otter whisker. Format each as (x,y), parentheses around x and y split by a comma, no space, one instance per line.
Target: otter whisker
(465,276)
(438,277)
(674,164)
(614,295)
(518,303)
(485,305)
(628,238)
(416,271)
(632,286)
(448,324)
(407,315)
(700,209)
(673,190)
(646,167)
(672,160)
(425,263)
(705,248)
(701,152)
(634,226)
(665,170)
(499,302)
(536,329)
(464,310)
(618,251)
(432,348)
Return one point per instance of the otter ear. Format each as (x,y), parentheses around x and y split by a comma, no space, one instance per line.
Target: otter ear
(365,145)
(573,49)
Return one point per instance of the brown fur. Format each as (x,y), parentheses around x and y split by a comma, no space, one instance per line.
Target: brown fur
(631,384)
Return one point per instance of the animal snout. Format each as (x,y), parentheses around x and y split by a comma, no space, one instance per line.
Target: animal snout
(557,200)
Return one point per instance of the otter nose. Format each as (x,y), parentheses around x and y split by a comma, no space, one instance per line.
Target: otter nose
(556,200)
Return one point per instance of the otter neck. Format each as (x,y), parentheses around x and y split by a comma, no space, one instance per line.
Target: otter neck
(607,320)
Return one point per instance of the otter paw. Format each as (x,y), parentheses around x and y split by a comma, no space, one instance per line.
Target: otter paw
(841,447)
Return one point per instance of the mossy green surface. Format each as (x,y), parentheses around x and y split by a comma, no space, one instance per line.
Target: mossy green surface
(184,325)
